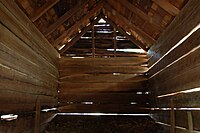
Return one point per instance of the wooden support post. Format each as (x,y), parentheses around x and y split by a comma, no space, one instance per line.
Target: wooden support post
(115,41)
(93,42)
(172,129)
(190,121)
(37,116)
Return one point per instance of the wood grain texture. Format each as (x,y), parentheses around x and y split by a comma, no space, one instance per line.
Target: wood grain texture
(188,18)
(28,63)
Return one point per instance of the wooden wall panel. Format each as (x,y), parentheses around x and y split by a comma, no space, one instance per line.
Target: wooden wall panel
(179,69)
(107,82)
(180,27)
(28,63)
(174,69)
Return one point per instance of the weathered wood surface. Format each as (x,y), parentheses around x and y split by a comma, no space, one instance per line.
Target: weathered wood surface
(77,37)
(182,75)
(101,98)
(64,17)
(152,22)
(42,10)
(102,78)
(167,6)
(121,19)
(102,87)
(179,70)
(103,108)
(188,18)
(191,43)
(127,61)
(28,63)
(187,100)
(102,81)
(17,22)
(69,32)
(181,118)
(102,69)
(131,38)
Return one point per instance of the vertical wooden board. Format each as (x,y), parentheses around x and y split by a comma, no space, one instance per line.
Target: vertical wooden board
(196,118)
(164,117)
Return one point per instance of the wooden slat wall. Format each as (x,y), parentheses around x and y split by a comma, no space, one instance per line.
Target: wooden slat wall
(28,63)
(107,82)
(178,70)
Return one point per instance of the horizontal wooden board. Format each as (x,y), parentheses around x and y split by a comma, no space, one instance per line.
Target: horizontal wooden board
(102,87)
(192,42)
(102,70)
(13,17)
(22,51)
(128,61)
(21,108)
(18,86)
(104,98)
(186,100)
(10,59)
(102,78)
(17,97)
(12,74)
(182,75)
(188,18)
(102,108)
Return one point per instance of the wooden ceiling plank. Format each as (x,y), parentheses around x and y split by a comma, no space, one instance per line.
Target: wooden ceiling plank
(131,38)
(168,7)
(65,17)
(121,18)
(36,14)
(69,32)
(141,14)
(75,39)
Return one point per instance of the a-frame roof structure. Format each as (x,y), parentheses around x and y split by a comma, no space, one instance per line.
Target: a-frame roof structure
(63,22)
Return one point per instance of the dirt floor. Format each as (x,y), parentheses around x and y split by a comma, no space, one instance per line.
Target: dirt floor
(102,124)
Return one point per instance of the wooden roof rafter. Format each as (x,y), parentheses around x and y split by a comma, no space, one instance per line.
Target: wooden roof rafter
(132,26)
(168,7)
(141,14)
(36,14)
(76,38)
(70,31)
(64,17)
(130,37)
